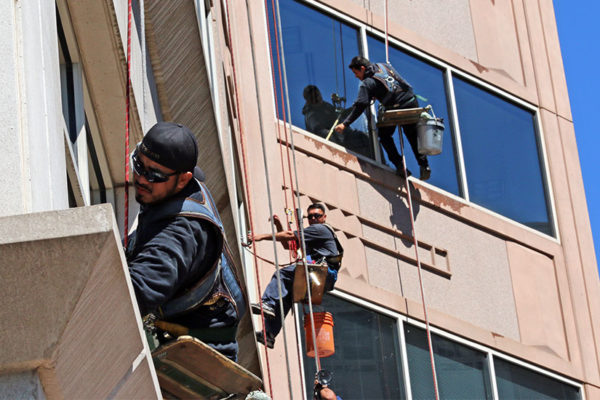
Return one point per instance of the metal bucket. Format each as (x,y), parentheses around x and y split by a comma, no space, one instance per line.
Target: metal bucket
(429,135)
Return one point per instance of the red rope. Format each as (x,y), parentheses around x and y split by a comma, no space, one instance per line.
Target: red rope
(293,246)
(246,181)
(127,91)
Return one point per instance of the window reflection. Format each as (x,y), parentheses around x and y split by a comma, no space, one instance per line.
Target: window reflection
(461,372)
(318,49)
(502,162)
(366,363)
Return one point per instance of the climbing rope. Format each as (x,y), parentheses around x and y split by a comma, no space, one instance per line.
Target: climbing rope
(246,180)
(127,111)
(293,151)
(414,232)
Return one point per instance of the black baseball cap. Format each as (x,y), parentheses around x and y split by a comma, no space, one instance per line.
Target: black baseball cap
(171,145)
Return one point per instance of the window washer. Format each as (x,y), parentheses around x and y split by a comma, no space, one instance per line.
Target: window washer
(321,245)
(179,262)
(381,81)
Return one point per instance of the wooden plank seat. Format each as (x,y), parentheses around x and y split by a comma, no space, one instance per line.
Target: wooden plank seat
(400,117)
(189,369)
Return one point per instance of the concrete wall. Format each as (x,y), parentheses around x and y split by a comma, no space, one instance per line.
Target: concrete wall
(70,319)
(30,111)
(487,279)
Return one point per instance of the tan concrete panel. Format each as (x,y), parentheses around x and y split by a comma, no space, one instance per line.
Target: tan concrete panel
(579,263)
(447,23)
(136,385)
(41,288)
(497,38)
(559,81)
(88,351)
(479,291)
(537,300)
(539,53)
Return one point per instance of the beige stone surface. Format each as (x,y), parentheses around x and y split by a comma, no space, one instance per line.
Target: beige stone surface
(537,300)
(69,307)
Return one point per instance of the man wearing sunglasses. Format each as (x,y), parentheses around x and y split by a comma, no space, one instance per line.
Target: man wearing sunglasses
(322,245)
(179,262)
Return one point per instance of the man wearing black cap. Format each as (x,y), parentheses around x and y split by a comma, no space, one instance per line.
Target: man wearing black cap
(179,262)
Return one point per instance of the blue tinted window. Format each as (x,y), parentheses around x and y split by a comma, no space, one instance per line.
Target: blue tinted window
(502,162)
(516,383)
(428,84)
(366,363)
(462,372)
(317,51)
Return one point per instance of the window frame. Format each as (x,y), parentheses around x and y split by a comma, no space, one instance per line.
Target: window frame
(449,73)
(402,319)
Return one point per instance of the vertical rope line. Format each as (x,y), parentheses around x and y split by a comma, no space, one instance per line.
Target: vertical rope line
(415,241)
(268,185)
(283,82)
(246,180)
(299,222)
(285,188)
(387,53)
(143,44)
(127,110)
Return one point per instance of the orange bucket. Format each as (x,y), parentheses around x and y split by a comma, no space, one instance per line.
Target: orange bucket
(324,333)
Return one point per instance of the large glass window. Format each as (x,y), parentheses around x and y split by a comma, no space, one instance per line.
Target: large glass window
(318,49)
(461,372)
(366,363)
(501,156)
(518,383)
(497,141)
(428,84)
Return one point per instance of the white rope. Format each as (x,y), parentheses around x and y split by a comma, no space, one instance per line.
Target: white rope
(266,166)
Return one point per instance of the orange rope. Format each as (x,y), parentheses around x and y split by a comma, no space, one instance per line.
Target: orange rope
(127,91)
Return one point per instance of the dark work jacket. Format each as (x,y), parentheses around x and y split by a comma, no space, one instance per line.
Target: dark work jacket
(171,252)
(372,87)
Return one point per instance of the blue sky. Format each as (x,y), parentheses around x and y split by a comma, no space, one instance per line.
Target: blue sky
(579,32)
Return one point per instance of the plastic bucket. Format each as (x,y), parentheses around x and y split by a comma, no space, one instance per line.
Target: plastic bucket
(429,135)
(324,333)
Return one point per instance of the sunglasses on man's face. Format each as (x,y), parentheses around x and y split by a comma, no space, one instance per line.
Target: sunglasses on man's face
(151,175)
(314,216)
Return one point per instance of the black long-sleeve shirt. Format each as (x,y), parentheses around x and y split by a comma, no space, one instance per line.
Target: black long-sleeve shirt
(372,88)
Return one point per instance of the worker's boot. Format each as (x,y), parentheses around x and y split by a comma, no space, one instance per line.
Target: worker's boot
(267,310)
(425,172)
(260,338)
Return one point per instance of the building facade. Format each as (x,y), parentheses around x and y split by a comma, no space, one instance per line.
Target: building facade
(504,244)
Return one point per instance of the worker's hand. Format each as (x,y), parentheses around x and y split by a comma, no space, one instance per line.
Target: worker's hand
(340,128)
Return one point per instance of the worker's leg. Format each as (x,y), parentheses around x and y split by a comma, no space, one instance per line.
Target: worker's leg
(271,297)
(410,131)
(387,142)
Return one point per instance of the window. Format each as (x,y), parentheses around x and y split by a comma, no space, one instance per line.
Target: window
(368,361)
(516,383)
(318,49)
(86,181)
(491,153)
(461,371)
(501,155)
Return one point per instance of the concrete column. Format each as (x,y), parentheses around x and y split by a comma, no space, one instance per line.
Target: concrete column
(33,162)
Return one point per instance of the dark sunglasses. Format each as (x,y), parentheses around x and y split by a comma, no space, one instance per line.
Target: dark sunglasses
(151,175)
(314,216)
